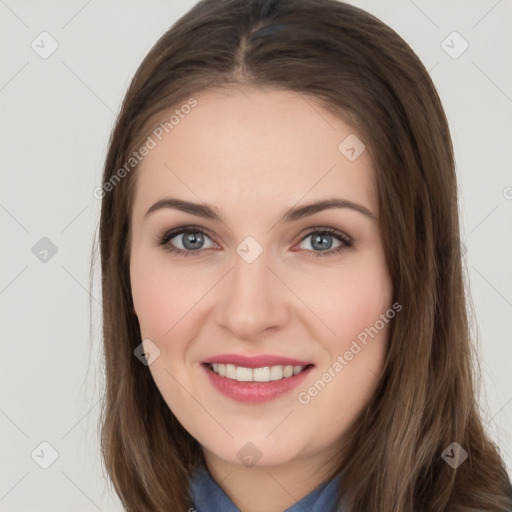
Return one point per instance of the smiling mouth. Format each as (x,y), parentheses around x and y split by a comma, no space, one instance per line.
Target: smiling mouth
(263,374)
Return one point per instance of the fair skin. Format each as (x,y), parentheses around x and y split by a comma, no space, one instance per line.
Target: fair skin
(254,154)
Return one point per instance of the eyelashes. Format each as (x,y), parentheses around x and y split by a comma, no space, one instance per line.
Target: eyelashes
(322,234)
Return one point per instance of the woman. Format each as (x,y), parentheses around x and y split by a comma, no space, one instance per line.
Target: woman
(284,306)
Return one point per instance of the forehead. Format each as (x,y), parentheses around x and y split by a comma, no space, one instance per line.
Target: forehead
(251,147)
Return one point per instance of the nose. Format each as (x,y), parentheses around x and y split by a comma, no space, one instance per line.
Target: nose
(253,300)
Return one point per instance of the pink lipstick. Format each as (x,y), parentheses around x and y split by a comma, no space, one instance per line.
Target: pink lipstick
(255,379)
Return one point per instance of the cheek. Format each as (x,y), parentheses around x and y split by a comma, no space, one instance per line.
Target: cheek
(359,313)
(163,299)
(360,306)
(346,300)
(167,299)
(151,299)
(350,303)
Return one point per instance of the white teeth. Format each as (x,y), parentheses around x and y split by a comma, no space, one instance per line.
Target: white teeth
(276,373)
(242,374)
(288,371)
(261,374)
(230,370)
(264,374)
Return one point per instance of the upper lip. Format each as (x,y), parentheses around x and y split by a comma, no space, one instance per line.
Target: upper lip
(256,361)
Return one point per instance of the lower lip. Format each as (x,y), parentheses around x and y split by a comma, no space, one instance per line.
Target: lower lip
(255,392)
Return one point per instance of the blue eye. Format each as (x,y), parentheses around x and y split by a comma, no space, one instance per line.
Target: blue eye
(322,238)
(192,239)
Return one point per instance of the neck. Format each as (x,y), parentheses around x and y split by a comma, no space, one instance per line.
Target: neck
(270,488)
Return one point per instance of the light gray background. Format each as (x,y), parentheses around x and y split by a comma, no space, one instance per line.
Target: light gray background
(56,116)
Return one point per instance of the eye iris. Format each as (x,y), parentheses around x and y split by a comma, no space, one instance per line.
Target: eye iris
(195,239)
(323,240)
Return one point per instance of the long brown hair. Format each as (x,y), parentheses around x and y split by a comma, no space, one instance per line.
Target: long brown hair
(359,68)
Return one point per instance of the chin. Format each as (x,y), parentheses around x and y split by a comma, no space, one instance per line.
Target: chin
(258,452)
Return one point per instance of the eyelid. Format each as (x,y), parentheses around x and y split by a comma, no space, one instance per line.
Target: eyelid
(347,241)
(327,229)
(172,233)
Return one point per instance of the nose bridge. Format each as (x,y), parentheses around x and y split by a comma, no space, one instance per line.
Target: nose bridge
(253,299)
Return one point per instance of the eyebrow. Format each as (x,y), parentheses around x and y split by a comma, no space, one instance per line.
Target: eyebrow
(210,212)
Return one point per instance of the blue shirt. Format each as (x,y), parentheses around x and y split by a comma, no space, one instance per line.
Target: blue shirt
(208,496)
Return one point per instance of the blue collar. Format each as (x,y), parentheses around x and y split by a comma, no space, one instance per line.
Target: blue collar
(208,496)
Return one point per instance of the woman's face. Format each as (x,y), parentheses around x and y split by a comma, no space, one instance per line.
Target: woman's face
(263,281)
